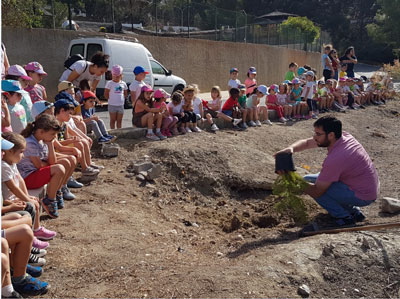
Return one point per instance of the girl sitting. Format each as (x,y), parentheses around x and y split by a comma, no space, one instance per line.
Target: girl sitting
(253,103)
(282,100)
(272,102)
(12,91)
(169,121)
(295,99)
(251,82)
(175,109)
(188,96)
(36,72)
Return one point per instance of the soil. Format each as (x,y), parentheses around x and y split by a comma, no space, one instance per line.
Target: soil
(208,227)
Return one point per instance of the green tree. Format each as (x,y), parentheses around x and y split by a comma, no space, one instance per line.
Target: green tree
(301,26)
(22,13)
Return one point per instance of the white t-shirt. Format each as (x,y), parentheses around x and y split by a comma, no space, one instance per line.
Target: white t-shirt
(176,109)
(234,83)
(117,89)
(8,172)
(82,68)
(71,124)
(136,87)
(196,105)
(311,85)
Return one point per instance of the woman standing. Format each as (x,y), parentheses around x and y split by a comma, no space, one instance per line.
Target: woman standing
(350,59)
(327,63)
(335,63)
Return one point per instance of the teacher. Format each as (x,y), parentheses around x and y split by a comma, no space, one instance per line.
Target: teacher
(348,179)
(350,59)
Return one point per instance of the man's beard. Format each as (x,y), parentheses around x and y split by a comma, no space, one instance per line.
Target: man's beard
(325,143)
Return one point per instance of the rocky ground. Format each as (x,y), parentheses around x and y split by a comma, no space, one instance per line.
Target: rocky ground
(207,227)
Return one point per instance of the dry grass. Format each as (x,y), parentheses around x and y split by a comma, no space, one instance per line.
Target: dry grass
(393,69)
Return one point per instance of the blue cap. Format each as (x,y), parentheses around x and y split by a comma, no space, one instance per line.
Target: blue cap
(63,103)
(6,145)
(139,69)
(301,71)
(234,69)
(39,107)
(11,85)
(65,95)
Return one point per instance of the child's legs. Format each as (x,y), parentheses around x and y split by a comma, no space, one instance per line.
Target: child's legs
(16,218)
(255,113)
(5,264)
(33,208)
(172,125)
(224,116)
(119,120)
(166,122)
(158,120)
(94,126)
(310,106)
(244,114)
(19,238)
(113,119)
(102,127)
(209,118)
(69,163)
(57,173)
(314,106)
(80,124)
(263,110)
(147,120)
(83,157)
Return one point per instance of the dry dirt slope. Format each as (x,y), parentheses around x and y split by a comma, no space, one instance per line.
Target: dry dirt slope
(207,227)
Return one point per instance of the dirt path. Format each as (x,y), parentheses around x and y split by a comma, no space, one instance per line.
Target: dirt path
(207,227)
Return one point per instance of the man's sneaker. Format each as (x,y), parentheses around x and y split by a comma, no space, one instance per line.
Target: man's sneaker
(153,137)
(161,136)
(111,138)
(344,222)
(95,166)
(236,121)
(44,234)
(36,261)
(103,139)
(196,129)
(72,183)
(50,206)
(258,123)
(90,171)
(67,195)
(267,122)
(38,252)
(39,244)
(30,286)
(214,127)
(14,294)
(187,129)
(252,124)
(34,271)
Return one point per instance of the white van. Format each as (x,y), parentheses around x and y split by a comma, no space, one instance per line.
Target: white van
(128,55)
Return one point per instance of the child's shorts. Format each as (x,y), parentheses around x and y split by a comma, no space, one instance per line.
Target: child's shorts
(227,112)
(116,109)
(39,178)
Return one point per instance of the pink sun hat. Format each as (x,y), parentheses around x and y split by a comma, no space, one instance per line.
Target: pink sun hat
(161,93)
(147,88)
(17,70)
(35,67)
(116,70)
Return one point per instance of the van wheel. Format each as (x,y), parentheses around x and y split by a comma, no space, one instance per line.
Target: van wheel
(178,87)
(128,103)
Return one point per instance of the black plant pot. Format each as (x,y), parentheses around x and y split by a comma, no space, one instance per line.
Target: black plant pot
(284,162)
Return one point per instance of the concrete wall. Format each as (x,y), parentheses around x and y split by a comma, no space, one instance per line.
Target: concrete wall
(204,62)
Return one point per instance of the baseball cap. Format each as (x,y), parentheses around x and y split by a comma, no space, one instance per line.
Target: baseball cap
(242,87)
(252,70)
(35,67)
(287,82)
(12,85)
(64,85)
(17,70)
(321,82)
(63,103)
(161,93)
(263,89)
(274,87)
(296,81)
(87,95)
(116,70)
(39,107)
(6,145)
(310,73)
(234,69)
(138,70)
(301,71)
(147,88)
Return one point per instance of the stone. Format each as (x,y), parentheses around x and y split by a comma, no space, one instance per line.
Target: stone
(110,150)
(365,244)
(220,254)
(142,166)
(140,177)
(154,172)
(143,173)
(390,205)
(304,291)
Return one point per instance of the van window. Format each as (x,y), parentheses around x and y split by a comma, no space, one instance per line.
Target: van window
(93,49)
(77,49)
(157,68)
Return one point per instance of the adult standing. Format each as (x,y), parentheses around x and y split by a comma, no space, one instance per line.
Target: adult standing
(348,179)
(328,70)
(87,70)
(350,59)
(335,63)
(3,61)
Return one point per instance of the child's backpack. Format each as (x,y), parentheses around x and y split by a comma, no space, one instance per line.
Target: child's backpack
(72,59)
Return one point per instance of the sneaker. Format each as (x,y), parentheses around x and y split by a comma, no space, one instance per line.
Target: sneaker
(243,126)
(14,294)
(168,133)
(38,252)
(267,122)
(72,183)
(345,222)
(188,130)
(182,131)
(161,136)
(358,216)
(314,116)
(39,244)
(50,206)
(214,127)
(282,120)
(164,132)
(36,261)
(111,138)
(153,137)
(196,129)
(34,271)
(98,167)
(236,121)
(103,139)
(60,203)
(252,124)
(258,123)
(44,234)
(30,286)
(90,171)
(67,195)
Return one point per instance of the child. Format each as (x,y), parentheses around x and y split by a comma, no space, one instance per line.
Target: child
(321,96)
(230,106)
(14,189)
(93,122)
(251,82)
(17,72)
(12,91)
(145,115)
(39,165)
(272,102)
(291,73)
(198,108)
(343,69)
(330,98)
(36,91)
(211,110)
(234,81)
(253,103)
(169,121)
(308,94)
(137,84)
(243,106)
(282,100)
(116,91)
(83,86)
(295,97)
(175,109)
(188,96)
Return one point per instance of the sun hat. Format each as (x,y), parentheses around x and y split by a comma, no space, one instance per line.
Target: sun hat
(63,103)
(147,88)
(234,69)
(252,70)
(287,82)
(310,73)
(301,71)
(139,69)
(17,70)
(263,89)
(6,145)
(188,88)
(87,95)
(12,85)
(242,87)
(296,81)
(116,70)
(39,107)
(274,87)
(64,85)
(321,82)
(161,93)
(35,67)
